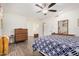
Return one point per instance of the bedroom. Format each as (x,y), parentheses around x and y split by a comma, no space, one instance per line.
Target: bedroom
(25,16)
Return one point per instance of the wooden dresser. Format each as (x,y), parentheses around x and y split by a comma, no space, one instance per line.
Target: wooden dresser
(21,34)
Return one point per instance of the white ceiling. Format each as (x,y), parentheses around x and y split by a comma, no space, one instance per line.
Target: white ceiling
(29,9)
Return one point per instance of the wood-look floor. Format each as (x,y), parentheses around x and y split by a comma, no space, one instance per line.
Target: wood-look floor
(23,49)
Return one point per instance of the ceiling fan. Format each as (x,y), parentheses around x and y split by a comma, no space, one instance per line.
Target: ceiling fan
(45,8)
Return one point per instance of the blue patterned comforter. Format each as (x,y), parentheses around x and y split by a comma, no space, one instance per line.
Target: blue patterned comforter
(56,45)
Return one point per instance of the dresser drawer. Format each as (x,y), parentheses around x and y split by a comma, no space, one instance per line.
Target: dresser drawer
(20,31)
(21,35)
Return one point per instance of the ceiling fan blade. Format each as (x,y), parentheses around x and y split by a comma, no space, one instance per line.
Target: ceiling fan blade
(39,6)
(53,10)
(45,14)
(38,11)
(52,4)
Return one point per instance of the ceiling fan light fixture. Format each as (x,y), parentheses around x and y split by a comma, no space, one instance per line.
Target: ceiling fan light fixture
(44,11)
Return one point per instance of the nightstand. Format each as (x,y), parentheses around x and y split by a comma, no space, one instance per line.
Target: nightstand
(36,35)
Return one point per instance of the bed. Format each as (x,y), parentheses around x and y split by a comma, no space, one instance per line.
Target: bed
(57,45)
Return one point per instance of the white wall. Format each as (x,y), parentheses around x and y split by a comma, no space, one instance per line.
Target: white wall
(49,26)
(0,28)
(1,18)
(14,20)
(34,26)
(71,15)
